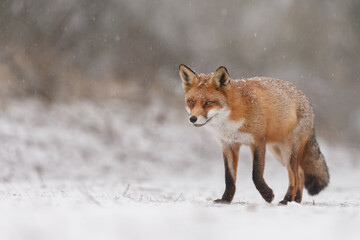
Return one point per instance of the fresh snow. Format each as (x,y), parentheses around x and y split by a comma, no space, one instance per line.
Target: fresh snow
(112,170)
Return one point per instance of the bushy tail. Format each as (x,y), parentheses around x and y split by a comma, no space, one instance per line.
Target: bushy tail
(315,168)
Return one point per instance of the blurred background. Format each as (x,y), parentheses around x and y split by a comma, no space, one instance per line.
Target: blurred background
(70,50)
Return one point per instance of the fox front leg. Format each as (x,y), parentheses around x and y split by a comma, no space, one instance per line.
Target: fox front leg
(231,156)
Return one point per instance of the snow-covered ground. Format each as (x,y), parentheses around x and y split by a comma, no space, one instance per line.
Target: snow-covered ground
(112,170)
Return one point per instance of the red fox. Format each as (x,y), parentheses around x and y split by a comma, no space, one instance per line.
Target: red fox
(257,112)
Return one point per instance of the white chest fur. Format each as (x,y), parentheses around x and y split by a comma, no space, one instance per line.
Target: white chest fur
(227,130)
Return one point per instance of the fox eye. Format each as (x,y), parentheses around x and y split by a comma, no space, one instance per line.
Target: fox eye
(209,103)
(191,102)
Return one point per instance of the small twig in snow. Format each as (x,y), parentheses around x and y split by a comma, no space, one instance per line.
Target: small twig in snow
(178,197)
(126,190)
(89,196)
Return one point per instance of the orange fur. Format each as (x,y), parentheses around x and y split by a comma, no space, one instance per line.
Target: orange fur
(256,112)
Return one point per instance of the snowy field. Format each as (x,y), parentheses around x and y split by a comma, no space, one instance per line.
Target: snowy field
(107,170)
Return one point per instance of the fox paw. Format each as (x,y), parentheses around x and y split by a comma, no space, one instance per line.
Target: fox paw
(298,197)
(268,195)
(222,201)
(283,202)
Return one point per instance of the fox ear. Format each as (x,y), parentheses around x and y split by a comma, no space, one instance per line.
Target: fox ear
(188,77)
(221,78)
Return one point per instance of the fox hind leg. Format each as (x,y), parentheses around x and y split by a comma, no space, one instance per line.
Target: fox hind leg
(289,196)
(294,176)
(298,196)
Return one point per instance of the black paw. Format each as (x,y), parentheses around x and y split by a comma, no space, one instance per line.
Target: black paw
(268,195)
(283,202)
(222,201)
(298,197)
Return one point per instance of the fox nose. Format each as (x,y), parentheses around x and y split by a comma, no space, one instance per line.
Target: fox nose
(193,119)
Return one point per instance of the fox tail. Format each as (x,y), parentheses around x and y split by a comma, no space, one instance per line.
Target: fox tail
(314,166)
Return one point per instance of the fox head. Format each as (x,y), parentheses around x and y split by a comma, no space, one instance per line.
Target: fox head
(205,95)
